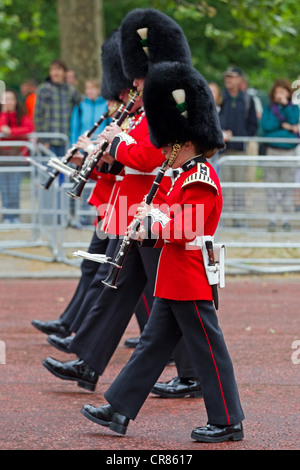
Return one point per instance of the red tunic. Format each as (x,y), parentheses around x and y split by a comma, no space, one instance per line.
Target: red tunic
(194,209)
(102,191)
(141,159)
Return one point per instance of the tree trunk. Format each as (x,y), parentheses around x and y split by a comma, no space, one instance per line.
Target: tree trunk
(81,28)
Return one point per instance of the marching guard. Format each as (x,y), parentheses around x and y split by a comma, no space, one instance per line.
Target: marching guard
(102,327)
(183,122)
(114,88)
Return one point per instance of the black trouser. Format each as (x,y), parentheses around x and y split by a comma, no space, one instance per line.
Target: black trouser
(90,287)
(88,272)
(102,328)
(169,320)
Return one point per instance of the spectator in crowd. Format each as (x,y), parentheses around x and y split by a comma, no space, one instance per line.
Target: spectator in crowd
(237,118)
(218,99)
(217,94)
(84,115)
(253,147)
(55,101)
(15,124)
(280,119)
(237,113)
(71,78)
(28,91)
(252,92)
(88,111)
(296,101)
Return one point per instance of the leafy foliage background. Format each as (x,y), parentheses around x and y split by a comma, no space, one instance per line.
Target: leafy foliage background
(260,36)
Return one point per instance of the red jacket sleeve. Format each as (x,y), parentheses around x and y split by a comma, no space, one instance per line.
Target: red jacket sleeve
(185,220)
(139,154)
(26,127)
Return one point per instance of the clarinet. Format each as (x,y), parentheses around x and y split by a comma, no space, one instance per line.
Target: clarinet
(92,161)
(67,158)
(115,118)
(128,240)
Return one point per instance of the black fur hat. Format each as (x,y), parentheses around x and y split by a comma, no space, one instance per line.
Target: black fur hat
(159,39)
(113,78)
(193,117)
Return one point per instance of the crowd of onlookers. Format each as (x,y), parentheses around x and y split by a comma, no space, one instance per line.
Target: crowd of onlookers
(53,107)
(242,114)
(56,106)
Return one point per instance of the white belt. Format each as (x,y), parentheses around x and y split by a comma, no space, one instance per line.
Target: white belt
(131,171)
(198,241)
(215,274)
(169,172)
(117,177)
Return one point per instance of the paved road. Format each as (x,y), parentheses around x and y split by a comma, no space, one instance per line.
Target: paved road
(260,322)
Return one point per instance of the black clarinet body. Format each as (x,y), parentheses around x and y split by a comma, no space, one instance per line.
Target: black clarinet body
(83,176)
(67,158)
(53,174)
(117,263)
(92,161)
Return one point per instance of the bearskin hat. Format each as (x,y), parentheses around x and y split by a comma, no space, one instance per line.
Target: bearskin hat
(113,78)
(188,114)
(149,36)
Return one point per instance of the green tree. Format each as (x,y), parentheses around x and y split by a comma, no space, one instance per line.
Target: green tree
(28,39)
(258,35)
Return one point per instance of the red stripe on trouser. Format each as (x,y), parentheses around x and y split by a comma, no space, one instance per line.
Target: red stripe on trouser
(212,355)
(146,305)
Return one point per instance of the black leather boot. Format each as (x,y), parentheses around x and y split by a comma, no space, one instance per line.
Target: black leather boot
(56,327)
(60,343)
(132,342)
(178,388)
(78,371)
(215,433)
(106,416)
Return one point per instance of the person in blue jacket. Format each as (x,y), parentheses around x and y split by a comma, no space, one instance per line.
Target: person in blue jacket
(280,119)
(84,115)
(88,111)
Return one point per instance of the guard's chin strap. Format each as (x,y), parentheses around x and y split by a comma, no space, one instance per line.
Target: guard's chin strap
(175,149)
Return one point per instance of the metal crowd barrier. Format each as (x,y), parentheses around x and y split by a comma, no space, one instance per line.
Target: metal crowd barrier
(69,222)
(49,220)
(33,221)
(19,226)
(260,222)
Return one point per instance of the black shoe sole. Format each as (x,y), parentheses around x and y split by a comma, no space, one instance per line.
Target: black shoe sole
(237,436)
(179,395)
(118,428)
(80,383)
(57,346)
